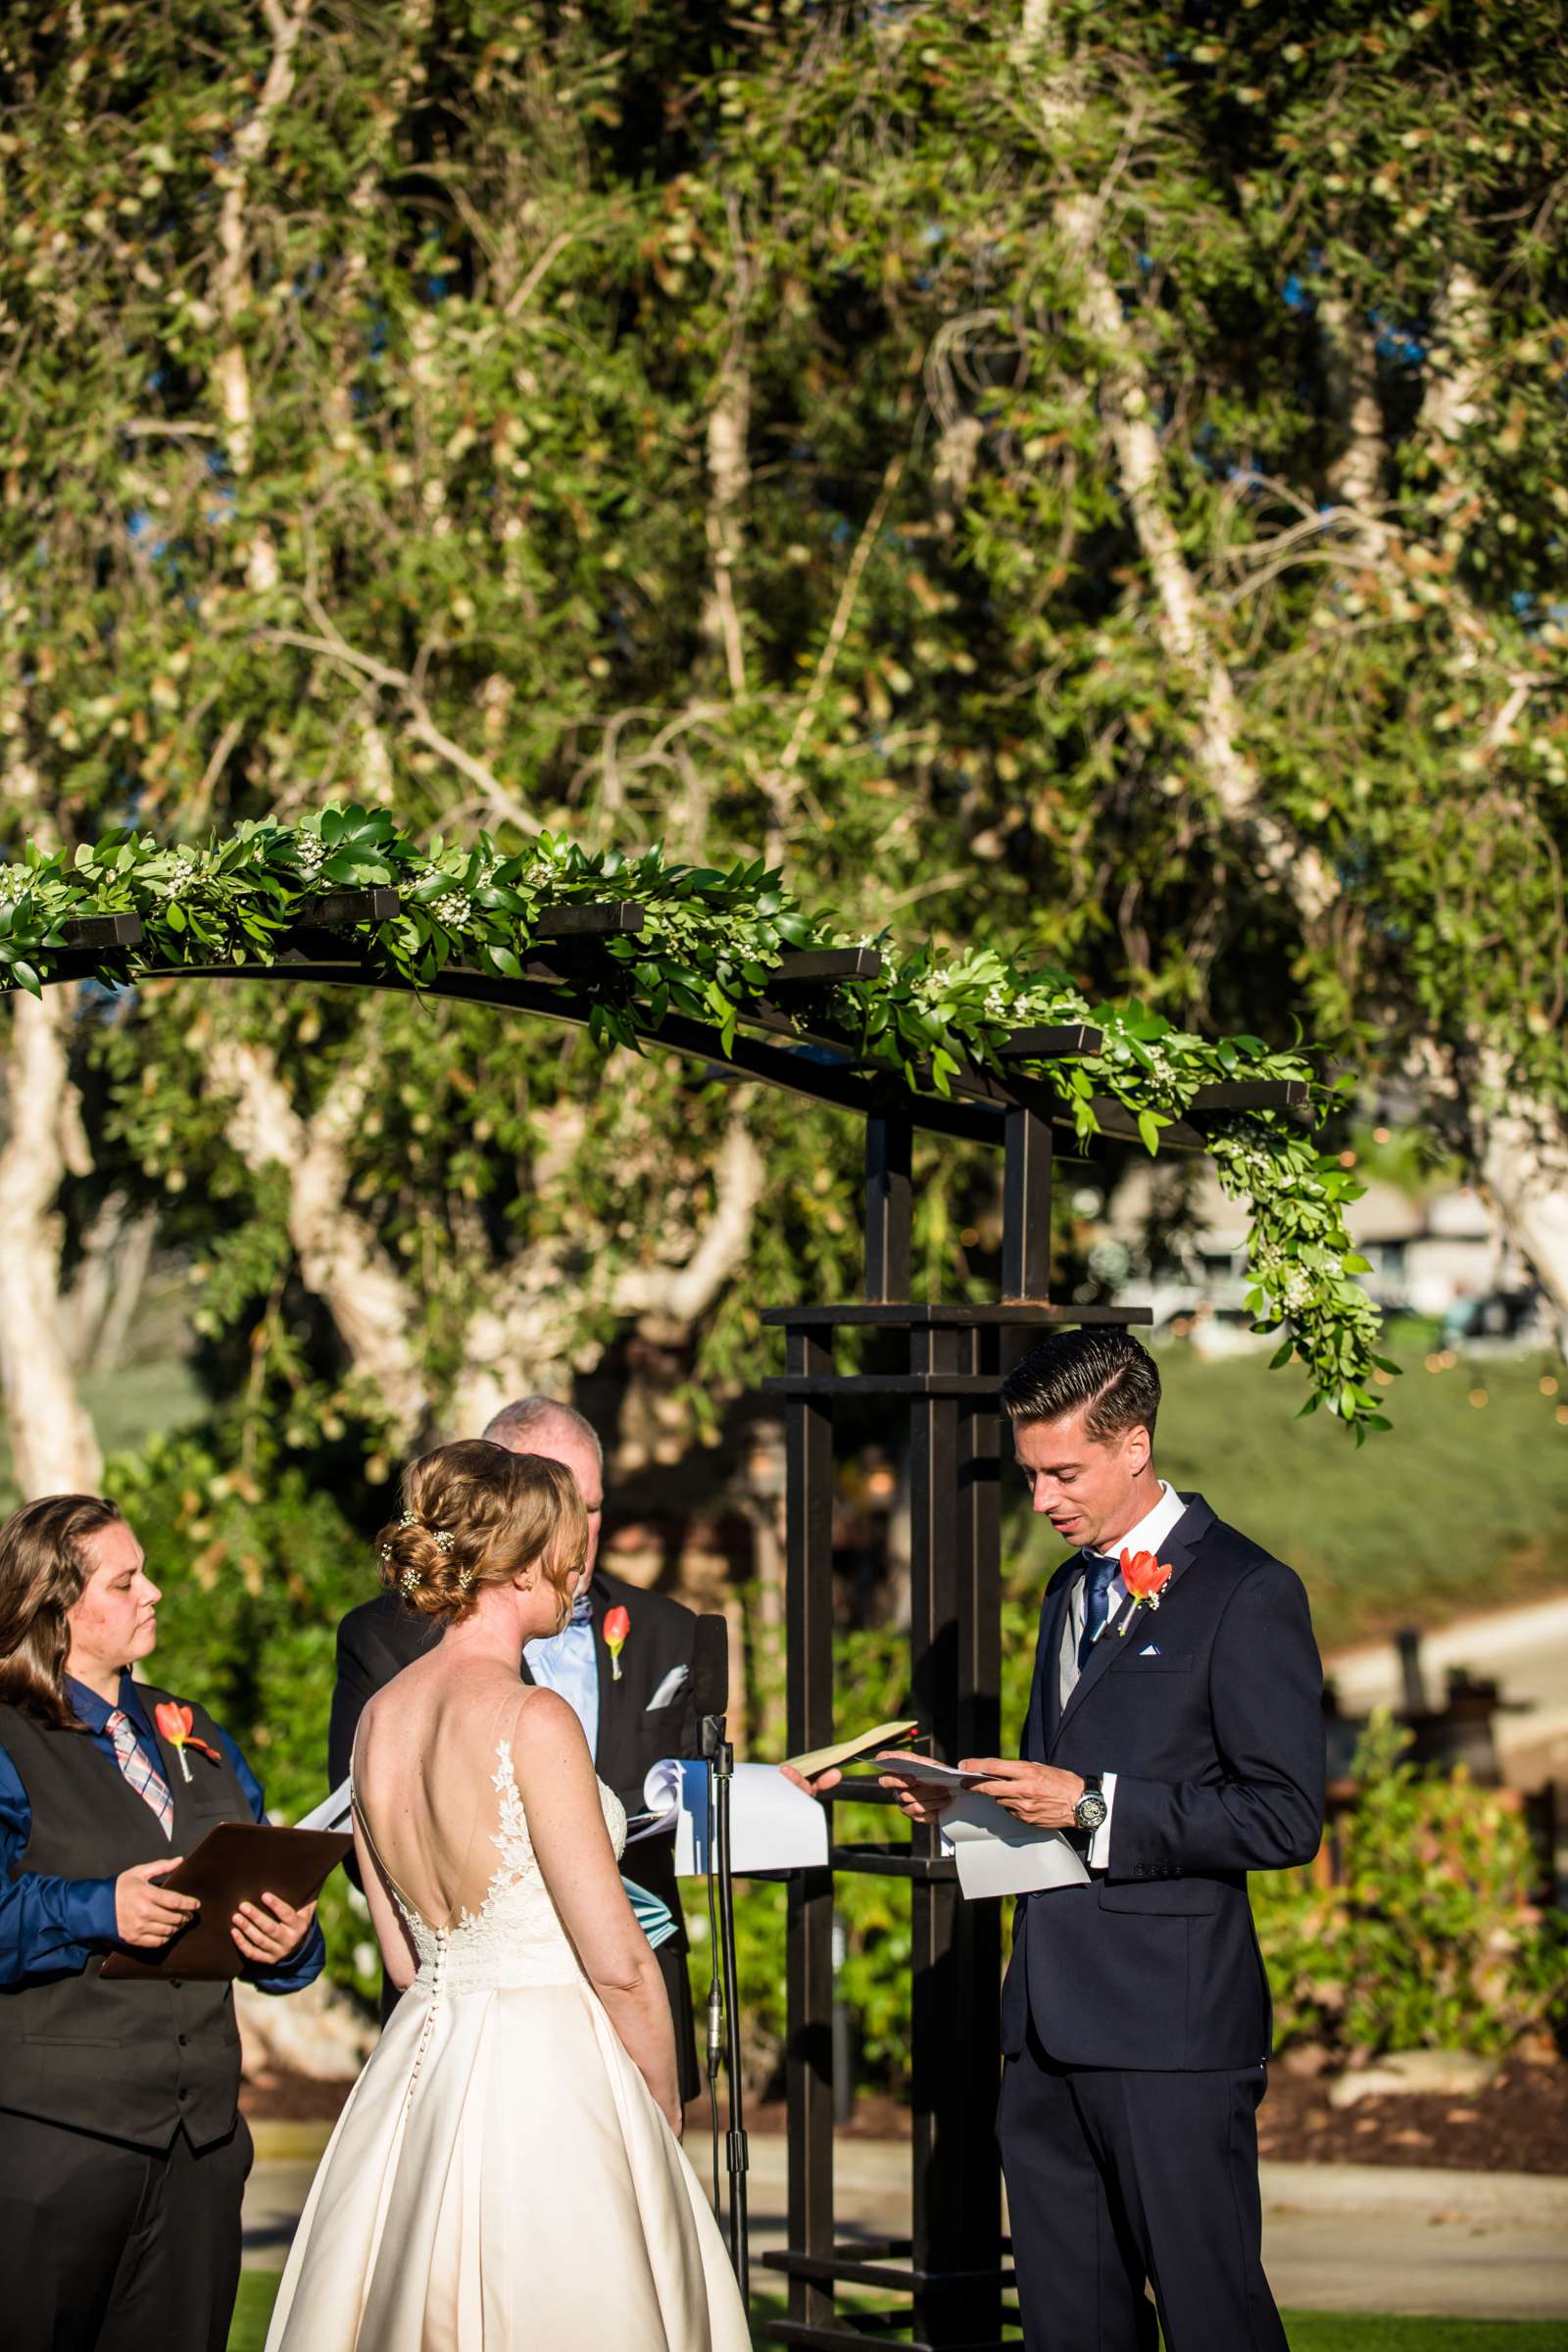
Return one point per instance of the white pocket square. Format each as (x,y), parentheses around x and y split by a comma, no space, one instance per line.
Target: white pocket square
(1152,1652)
(667,1688)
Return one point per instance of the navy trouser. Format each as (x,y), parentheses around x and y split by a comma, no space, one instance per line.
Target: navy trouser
(1121,2178)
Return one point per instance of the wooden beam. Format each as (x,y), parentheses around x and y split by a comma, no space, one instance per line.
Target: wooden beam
(1253,1093)
(101,931)
(344,909)
(807,967)
(983,1314)
(1048,1044)
(590,921)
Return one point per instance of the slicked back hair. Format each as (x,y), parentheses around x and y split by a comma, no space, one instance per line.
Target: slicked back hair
(519,1424)
(1104,1370)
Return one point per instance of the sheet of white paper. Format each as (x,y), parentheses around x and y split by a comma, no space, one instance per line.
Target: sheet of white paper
(773,1825)
(999,1856)
(334,1813)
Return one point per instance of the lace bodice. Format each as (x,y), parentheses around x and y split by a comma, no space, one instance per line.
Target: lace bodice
(515,1937)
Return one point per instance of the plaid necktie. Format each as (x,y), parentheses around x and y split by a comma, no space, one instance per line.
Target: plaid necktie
(147,1781)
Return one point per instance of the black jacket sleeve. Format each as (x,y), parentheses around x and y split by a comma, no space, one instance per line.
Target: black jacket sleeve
(1263,1810)
(361,1672)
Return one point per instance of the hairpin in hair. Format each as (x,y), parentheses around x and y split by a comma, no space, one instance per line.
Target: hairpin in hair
(443,1538)
(410,1519)
(464,1579)
(409,1580)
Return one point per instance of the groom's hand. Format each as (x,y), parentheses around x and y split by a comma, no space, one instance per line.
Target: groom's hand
(920,1800)
(1037,1793)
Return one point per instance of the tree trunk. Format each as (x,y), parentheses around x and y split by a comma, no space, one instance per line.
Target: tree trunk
(339,1257)
(1230,773)
(1350,374)
(107,1288)
(54,1448)
(1520,1148)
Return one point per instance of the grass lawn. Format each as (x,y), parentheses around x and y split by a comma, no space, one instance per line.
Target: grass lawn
(1460,1505)
(1309,2331)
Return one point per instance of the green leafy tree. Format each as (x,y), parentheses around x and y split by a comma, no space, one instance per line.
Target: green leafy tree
(1080,487)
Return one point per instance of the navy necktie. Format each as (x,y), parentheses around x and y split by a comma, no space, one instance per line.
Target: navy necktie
(1098,1579)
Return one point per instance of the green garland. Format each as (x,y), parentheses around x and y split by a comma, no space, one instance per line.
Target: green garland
(709,941)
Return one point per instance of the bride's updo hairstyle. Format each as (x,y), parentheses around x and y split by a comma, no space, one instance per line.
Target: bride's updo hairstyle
(475,1514)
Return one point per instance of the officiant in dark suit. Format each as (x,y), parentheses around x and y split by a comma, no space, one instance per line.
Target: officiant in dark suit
(1178,1740)
(633,1695)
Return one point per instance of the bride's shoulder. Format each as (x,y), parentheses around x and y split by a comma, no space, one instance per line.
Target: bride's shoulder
(545,1735)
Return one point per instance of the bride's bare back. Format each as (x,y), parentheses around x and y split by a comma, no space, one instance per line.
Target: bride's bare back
(428,1819)
(423,1771)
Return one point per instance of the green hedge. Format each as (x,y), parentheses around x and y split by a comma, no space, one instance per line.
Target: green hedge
(1429,1940)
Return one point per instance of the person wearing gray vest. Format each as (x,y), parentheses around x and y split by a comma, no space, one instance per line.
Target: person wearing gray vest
(123,2152)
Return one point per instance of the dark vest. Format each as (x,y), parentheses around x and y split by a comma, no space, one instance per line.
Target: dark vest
(133,2060)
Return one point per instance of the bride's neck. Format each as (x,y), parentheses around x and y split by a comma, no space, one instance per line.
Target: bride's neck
(493,1631)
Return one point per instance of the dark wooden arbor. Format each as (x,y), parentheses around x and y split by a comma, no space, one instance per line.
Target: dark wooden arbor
(946,2285)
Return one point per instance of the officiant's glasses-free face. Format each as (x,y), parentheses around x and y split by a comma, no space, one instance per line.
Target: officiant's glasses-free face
(1087,1488)
(116,1619)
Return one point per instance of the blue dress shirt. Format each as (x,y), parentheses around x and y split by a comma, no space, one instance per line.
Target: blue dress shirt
(566,1662)
(50,1925)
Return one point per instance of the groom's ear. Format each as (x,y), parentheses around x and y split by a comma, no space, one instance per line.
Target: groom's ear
(1140,1445)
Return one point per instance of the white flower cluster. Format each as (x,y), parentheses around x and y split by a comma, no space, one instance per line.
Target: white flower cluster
(310,851)
(1249,1163)
(1296,1291)
(932,986)
(1284,1280)
(453,910)
(180,879)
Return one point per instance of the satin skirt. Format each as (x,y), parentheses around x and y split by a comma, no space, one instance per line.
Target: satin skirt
(501,2180)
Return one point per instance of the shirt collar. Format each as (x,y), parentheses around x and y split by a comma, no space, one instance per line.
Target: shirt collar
(582,1621)
(93,1711)
(1152,1528)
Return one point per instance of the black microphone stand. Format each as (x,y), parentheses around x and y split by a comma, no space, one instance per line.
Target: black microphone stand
(725,2033)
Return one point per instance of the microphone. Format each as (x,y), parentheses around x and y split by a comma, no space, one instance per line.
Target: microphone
(710,1684)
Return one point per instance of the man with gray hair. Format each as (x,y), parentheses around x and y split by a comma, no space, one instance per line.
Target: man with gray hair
(623,1664)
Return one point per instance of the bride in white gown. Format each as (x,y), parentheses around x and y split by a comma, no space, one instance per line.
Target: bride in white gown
(506,2175)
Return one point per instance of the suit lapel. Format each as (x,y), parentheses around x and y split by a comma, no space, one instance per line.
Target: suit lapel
(1178,1550)
(600,1602)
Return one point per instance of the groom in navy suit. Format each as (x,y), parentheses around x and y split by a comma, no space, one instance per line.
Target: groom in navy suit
(1180,1746)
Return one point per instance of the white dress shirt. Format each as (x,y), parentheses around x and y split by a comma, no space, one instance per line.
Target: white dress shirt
(1150,1533)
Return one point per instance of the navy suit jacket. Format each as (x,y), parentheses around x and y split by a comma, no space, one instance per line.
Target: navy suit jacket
(1218,1747)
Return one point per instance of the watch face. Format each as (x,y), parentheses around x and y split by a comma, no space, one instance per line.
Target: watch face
(1089,1810)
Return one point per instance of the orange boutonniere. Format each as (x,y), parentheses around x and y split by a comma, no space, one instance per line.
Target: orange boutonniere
(1146,1579)
(618,1625)
(177,1725)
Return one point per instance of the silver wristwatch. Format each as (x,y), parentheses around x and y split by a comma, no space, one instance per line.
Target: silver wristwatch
(1091,1810)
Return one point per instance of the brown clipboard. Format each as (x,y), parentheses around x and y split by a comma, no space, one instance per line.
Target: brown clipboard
(236,1863)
